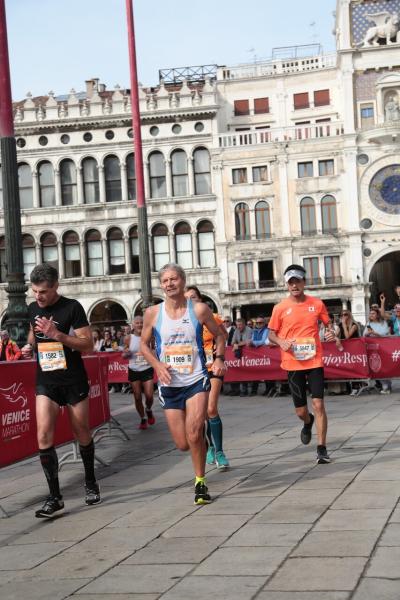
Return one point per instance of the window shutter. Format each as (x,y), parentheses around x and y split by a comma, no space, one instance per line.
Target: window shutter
(301,100)
(241,107)
(261,105)
(321,98)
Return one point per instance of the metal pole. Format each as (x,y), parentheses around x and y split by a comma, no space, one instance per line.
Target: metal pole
(144,255)
(17,320)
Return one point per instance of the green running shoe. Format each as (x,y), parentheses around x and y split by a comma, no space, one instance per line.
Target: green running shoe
(210,458)
(221,460)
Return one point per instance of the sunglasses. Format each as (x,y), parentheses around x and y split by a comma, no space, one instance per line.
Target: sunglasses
(345,315)
(259,322)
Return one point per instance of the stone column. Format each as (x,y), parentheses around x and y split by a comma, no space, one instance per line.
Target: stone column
(104,245)
(102,185)
(191,176)
(172,249)
(152,265)
(168,178)
(61,269)
(35,189)
(38,254)
(284,194)
(57,187)
(195,250)
(146,175)
(79,185)
(83,258)
(127,255)
(124,183)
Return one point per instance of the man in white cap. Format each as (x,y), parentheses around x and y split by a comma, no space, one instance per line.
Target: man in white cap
(294,328)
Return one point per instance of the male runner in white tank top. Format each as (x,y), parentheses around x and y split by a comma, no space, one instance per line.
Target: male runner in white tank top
(177,327)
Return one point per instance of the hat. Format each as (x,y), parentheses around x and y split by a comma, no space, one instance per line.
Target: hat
(296,273)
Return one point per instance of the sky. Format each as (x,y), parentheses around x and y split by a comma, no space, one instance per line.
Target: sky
(58,44)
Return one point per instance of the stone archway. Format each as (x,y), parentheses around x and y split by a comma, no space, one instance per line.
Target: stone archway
(107,313)
(385,274)
(138,311)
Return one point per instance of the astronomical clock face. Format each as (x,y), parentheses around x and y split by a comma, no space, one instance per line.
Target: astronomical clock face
(384,189)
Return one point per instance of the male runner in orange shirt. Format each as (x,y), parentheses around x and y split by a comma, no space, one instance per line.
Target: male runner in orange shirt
(294,328)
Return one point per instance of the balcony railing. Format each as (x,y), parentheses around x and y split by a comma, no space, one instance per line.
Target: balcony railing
(247,285)
(267,283)
(314,280)
(271,68)
(337,279)
(257,236)
(280,134)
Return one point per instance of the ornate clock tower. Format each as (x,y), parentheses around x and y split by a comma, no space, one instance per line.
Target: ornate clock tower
(368,45)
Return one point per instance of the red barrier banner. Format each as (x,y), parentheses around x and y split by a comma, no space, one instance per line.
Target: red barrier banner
(17,407)
(361,358)
(117,367)
(383,357)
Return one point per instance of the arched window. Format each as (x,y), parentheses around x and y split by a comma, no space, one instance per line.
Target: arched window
(28,254)
(242,221)
(48,243)
(328,214)
(134,247)
(116,251)
(307,216)
(206,245)
(112,176)
(183,245)
(263,220)
(202,175)
(72,255)
(160,246)
(90,172)
(131,175)
(68,182)
(179,168)
(94,253)
(2,259)
(158,186)
(47,195)
(25,186)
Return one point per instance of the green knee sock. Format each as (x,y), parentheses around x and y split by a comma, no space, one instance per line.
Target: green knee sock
(216,432)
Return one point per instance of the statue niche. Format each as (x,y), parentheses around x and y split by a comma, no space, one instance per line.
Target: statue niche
(392,111)
(387,27)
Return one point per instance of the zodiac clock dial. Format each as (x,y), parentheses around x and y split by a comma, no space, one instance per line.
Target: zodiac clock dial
(384,189)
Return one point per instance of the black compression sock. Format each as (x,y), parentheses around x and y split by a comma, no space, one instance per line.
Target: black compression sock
(87,454)
(49,462)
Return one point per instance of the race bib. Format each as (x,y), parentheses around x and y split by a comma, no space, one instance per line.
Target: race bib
(179,357)
(139,360)
(209,358)
(51,356)
(304,348)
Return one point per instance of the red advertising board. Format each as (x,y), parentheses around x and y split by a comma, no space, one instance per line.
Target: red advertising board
(17,406)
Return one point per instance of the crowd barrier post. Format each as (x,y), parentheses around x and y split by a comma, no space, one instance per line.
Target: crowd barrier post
(112,428)
(73,456)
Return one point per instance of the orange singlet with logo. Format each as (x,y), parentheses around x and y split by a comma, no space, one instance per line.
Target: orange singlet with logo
(299,321)
(208,342)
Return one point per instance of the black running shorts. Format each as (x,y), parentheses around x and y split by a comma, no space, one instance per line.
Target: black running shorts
(64,395)
(298,381)
(142,376)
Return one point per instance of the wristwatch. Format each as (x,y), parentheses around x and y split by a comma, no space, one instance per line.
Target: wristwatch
(221,356)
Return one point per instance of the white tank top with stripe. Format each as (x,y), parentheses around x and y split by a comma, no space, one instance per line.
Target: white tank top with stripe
(137,361)
(179,343)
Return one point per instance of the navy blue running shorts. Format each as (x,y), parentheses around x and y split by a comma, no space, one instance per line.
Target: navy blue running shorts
(175,397)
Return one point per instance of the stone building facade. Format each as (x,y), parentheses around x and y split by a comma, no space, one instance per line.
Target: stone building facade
(247,169)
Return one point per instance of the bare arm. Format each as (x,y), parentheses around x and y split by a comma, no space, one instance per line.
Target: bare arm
(282,343)
(146,341)
(206,318)
(28,349)
(81,341)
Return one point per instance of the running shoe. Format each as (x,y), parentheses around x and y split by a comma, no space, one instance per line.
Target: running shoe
(323,457)
(210,458)
(201,495)
(53,507)
(150,417)
(384,392)
(305,434)
(221,460)
(92,494)
(143,424)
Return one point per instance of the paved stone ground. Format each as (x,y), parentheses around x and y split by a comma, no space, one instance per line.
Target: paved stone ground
(280,528)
